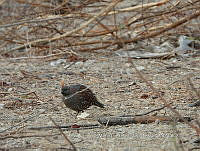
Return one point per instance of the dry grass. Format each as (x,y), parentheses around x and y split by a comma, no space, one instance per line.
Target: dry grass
(40,28)
(41,31)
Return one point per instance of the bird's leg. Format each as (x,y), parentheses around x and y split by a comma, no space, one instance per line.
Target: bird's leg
(76,114)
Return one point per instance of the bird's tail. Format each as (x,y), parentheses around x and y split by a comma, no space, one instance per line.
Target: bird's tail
(99,104)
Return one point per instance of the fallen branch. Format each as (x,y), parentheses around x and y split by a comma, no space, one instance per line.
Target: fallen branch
(25,136)
(118,120)
(68,127)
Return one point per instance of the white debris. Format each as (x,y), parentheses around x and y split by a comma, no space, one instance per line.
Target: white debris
(57,62)
(83,115)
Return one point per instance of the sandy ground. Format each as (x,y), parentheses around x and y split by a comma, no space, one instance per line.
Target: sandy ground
(33,89)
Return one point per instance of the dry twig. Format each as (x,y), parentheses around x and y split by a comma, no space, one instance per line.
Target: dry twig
(66,138)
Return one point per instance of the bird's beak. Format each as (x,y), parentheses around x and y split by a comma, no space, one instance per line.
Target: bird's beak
(62,83)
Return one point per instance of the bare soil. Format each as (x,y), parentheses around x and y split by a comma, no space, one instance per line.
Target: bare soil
(33,89)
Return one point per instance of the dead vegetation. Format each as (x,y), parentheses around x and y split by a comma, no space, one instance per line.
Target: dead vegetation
(46,30)
(51,30)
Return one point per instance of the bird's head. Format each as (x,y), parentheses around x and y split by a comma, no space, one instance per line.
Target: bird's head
(65,90)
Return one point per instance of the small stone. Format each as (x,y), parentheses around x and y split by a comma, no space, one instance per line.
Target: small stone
(2,106)
(79,64)
(57,62)
(10,89)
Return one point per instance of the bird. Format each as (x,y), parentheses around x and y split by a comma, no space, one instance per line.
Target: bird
(78,97)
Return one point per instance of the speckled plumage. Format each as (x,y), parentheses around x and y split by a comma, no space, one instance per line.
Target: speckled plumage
(78,97)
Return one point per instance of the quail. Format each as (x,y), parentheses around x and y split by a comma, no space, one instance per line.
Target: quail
(78,97)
